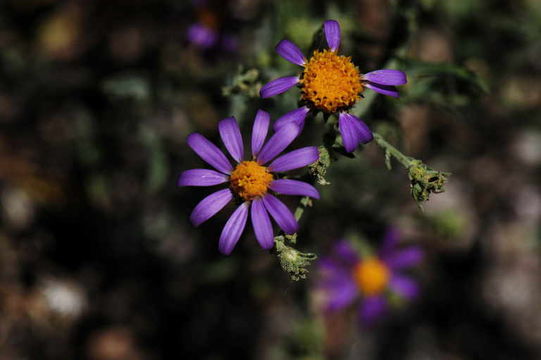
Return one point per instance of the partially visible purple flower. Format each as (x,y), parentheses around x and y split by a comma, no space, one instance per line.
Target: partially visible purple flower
(202,36)
(208,31)
(346,277)
(249,181)
(331,83)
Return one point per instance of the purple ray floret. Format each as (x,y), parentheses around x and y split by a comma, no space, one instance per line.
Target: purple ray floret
(386,77)
(354,131)
(332,34)
(383,89)
(290,52)
(296,117)
(278,86)
(295,159)
(209,152)
(277,143)
(201,177)
(281,214)
(209,206)
(259,130)
(294,187)
(233,229)
(231,137)
(262,225)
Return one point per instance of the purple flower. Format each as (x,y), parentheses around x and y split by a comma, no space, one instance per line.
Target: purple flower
(202,36)
(345,277)
(208,31)
(331,83)
(249,180)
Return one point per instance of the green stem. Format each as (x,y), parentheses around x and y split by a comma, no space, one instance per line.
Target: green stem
(300,208)
(390,149)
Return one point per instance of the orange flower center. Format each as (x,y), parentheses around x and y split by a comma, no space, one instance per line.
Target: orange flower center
(372,276)
(330,82)
(250,180)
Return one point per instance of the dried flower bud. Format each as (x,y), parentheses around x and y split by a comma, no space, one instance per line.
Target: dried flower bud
(293,261)
(425,180)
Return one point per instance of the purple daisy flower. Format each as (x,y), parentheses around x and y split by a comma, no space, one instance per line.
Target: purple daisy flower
(249,180)
(331,83)
(346,277)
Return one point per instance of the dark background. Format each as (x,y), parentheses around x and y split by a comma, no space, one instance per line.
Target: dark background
(97,256)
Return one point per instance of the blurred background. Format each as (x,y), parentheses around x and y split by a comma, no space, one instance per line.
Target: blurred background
(98,259)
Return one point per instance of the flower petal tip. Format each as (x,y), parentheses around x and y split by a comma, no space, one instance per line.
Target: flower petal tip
(278,86)
(290,52)
(388,77)
(332,34)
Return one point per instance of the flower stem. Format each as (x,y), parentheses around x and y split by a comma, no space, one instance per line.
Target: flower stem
(391,150)
(303,203)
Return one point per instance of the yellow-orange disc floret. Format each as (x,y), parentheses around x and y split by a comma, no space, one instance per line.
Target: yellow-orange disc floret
(330,82)
(372,276)
(250,180)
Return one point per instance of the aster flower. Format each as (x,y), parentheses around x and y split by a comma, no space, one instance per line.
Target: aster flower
(251,181)
(333,84)
(346,277)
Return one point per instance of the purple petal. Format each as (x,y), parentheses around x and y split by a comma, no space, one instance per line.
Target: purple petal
(363,131)
(281,214)
(383,89)
(337,282)
(295,159)
(328,269)
(278,142)
(348,130)
(278,86)
(231,137)
(331,271)
(405,258)
(201,177)
(332,34)
(210,205)
(294,187)
(259,130)
(209,152)
(372,308)
(296,116)
(262,225)
(404,286)
(202,36)
(353,131)
(341,293)
(343,251)
(386,77)
(390,240)
(233,229)
(290,52)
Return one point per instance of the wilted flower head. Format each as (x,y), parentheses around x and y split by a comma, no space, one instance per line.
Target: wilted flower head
(333,84)
(251,181)
(346,277)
